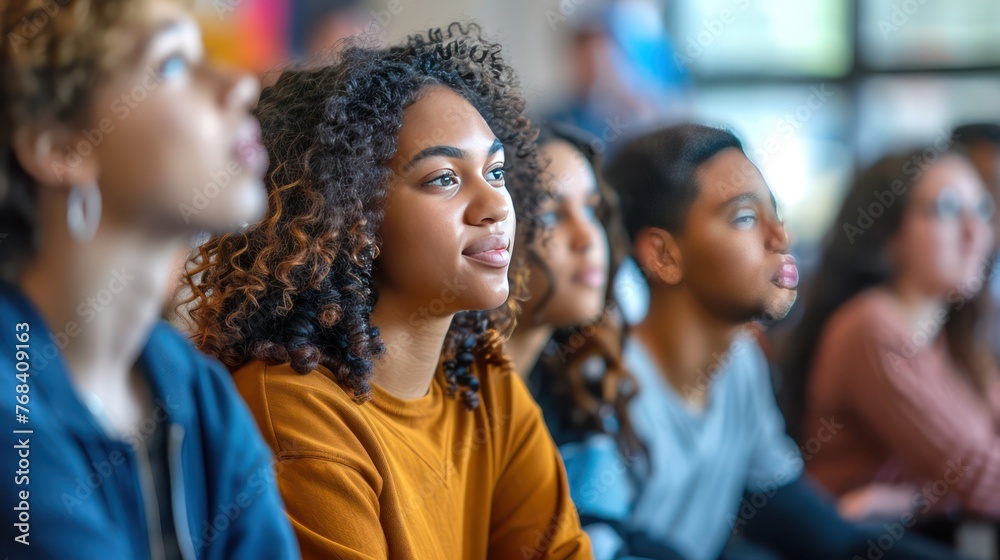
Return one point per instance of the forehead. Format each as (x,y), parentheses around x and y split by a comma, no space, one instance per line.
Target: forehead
(568,171)
(950,171)
(727,174)
(440,116)
(142,23)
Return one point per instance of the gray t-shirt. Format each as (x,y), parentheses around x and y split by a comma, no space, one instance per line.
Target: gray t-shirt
(701,462)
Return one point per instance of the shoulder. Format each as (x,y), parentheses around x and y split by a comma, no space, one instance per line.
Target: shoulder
(307,416)
(194,385)
(503,390)
(871,311)
(507,416)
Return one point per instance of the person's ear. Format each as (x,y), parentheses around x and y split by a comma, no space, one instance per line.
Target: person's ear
(53,155)
(659,256)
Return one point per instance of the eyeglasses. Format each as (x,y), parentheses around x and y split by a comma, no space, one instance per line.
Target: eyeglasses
(948,206)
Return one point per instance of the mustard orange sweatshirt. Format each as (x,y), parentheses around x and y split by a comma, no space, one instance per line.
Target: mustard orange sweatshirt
(419,479)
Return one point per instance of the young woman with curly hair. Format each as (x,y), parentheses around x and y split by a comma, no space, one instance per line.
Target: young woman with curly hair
(569,341)
(363,317)
(121,440)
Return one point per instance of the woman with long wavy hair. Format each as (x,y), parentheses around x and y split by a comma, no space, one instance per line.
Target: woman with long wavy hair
(569,339)
(364,316)
(893,353)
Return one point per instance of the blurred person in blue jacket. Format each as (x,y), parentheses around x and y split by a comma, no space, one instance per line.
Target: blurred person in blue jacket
(119,144)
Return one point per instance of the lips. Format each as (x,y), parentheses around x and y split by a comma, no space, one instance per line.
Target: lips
(788,275)
(493,250)
(592,277)
(249,151)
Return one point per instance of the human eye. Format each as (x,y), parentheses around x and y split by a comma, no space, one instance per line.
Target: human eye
(446,179)
(174,66)
(745,218)
(496,174)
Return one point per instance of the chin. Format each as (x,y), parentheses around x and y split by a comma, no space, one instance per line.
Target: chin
(225,213)
(488,298)
(779,305)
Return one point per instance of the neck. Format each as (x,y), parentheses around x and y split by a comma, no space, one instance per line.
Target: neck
(685,341)
(101,300)
(921,310)
(413,344)
(525,346)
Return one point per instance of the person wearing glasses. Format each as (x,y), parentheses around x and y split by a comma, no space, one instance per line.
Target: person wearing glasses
(893,345)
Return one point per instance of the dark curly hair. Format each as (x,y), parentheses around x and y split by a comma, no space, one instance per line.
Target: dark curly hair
(581,369)
(298,286)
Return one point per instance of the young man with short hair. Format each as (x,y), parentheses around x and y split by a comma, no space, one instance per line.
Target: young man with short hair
(706,231)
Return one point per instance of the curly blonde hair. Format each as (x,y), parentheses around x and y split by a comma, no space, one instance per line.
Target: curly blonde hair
(53,55)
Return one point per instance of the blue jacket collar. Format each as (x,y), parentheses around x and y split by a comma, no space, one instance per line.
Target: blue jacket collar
(165,362)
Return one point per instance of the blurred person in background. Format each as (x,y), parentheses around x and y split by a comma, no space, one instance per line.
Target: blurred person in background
(893,344)
(568,342)
(131,443)
(705,229)
(981,141)
(364,316)
(623,75)
(318,25)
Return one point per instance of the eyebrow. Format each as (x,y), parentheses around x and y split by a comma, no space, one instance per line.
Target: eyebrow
(155,34)
(740,198)
(449,152)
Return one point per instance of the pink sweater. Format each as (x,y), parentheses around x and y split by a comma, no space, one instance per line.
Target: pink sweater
(886,406)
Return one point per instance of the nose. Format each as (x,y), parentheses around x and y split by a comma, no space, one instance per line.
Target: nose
(777,237)
(584,232)
(973,225)
(488,204)
(237,90)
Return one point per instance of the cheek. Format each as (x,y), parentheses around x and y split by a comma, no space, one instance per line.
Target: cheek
(164,149)
(420,239)
(553,250)
(978,250)
(936,253)
(731,261)
(983,240)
